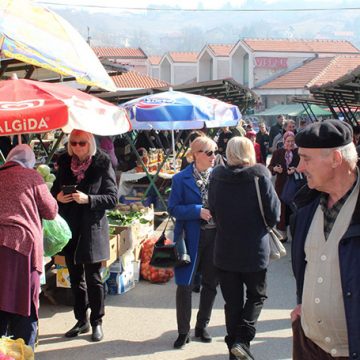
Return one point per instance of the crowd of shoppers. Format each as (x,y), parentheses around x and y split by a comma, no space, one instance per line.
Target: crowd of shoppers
(214,204)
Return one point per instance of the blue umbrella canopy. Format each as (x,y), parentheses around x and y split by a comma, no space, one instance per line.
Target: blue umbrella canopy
(174,110)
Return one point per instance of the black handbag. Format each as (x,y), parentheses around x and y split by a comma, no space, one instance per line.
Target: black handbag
(169,255)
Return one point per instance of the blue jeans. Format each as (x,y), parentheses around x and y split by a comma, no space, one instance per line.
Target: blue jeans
(18,326)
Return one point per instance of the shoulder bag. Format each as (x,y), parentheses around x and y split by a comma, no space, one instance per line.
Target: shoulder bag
(277,249)
(170,255)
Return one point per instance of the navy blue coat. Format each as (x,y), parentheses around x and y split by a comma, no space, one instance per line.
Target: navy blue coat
(349,260)
(185,205)
(242,242)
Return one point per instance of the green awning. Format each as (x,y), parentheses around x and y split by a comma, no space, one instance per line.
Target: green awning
(293,110)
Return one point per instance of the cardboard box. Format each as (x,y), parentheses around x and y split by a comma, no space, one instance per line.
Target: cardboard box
(124,242)
(136,266)
(120,283)
(113,243)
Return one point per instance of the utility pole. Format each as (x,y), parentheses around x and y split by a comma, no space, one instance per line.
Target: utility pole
(88,36)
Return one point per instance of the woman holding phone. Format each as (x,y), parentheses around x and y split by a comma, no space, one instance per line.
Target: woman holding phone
(85,187)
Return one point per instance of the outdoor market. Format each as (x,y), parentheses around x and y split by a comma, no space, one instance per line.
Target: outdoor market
(106,188)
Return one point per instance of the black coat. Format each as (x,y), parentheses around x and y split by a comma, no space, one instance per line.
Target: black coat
(88,222)
(242,243)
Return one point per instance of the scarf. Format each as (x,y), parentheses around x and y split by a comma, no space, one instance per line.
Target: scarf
(288,157)
(202,182)
(79,168)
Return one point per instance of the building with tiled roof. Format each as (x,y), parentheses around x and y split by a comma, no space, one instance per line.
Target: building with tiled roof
(135,80)
(214,62)
(153,66)
(133,58)
(119,53)
(301,45)
(255,60)
(314,72)
(178,67)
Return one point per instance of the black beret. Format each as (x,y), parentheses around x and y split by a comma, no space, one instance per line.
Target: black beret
(325,135)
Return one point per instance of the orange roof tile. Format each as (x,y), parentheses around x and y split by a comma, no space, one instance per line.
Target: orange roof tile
(154,59)
(135,80)
(300,45)
(315,72)
(221,49)
(183,56)
(119,52)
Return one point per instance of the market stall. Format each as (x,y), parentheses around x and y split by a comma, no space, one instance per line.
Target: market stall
(174,110)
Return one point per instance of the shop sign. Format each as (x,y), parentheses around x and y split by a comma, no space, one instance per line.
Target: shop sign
(271,62)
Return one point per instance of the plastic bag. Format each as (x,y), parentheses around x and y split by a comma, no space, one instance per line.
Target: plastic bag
(56,235)
(15,349)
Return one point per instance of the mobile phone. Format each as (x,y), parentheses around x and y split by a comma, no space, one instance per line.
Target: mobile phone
(69,189)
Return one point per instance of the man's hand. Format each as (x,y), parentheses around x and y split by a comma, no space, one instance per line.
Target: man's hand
(296,313)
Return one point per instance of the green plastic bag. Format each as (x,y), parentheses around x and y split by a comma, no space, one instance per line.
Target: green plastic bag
(56,235)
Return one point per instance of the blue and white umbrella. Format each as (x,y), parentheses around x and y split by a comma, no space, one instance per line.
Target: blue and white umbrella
(174,110)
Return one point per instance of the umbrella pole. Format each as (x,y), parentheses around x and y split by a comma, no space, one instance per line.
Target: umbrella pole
(19,139)
(173,148)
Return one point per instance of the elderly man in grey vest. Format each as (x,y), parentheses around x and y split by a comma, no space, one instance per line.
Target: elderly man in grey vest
(326,245)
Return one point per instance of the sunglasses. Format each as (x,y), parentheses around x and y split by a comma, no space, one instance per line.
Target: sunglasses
(209,153)
(80,143)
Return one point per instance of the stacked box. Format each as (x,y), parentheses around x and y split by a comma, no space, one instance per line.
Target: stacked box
(62,272)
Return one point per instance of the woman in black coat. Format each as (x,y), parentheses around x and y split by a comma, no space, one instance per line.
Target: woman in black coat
(242,245)
(83,206)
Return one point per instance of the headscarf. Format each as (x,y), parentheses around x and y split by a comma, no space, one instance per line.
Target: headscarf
(23,155)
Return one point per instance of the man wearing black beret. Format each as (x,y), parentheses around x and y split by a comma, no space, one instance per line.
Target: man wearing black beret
(326,245)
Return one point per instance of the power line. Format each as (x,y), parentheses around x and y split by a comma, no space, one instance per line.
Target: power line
(197,10)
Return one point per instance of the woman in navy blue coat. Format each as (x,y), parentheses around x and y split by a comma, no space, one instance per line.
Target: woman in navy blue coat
(188,204)
(242,243)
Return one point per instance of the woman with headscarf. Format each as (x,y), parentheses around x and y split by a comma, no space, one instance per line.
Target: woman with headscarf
(25,200)
(85,188)
(188,204)
(283,164)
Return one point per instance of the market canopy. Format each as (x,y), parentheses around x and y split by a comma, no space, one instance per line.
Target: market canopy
(37,36)
(293,110)
(227,90)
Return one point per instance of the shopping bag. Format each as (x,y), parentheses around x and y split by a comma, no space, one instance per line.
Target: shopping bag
(277,249)
(56,235)
(169,255)
(15,349)
(292,186)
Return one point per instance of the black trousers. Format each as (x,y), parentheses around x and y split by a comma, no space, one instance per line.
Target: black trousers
(241,315)
(209,281)
(88,291)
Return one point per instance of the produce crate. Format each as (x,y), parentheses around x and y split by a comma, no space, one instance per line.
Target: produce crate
(60,260)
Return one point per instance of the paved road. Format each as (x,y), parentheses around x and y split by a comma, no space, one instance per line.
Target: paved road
(141,325)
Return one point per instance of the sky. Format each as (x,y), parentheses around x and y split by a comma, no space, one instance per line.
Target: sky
(186,4)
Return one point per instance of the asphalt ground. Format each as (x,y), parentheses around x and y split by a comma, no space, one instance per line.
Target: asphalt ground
(141,324)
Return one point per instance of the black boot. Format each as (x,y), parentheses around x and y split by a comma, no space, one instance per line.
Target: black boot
(203,335)
(97,333)
(242,351)
(181,341)
(80,327)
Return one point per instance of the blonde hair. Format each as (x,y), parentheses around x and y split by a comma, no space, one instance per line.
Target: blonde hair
(89,137)
(240,151)
(201,143)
